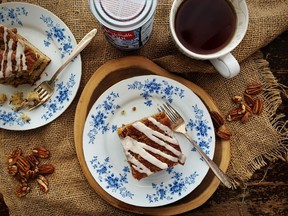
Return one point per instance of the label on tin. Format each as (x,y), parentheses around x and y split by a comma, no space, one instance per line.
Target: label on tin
(130,39)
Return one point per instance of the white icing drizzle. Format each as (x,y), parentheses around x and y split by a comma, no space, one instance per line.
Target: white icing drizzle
(162,127)
(131,145)
(155,135)
(138,166)
(20,55)
(9,57)
(139,148)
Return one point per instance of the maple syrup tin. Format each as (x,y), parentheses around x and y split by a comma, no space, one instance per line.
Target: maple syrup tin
(127,24)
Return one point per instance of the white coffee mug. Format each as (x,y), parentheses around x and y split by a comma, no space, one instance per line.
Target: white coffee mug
(224,62)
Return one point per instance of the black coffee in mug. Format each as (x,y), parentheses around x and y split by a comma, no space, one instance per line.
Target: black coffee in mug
(205,26)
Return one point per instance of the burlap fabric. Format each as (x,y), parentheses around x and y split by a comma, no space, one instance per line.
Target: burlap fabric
(252,144)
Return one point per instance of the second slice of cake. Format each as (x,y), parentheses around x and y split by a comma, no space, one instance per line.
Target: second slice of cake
(150,146)
(20,61)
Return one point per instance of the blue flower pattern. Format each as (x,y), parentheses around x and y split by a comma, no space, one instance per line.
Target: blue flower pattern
(113,182)
(57,34)
(168,191)
(99,119)
(62,96)
(12,15)
(201,126)
(11,118)
(150,87)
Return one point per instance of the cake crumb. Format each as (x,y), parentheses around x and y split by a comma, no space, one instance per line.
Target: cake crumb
(33,96)
(17,100)
(3,98)
(25,117)
(123,112)
(134,108)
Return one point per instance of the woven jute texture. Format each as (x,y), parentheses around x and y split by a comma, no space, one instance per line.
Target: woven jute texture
(261,139)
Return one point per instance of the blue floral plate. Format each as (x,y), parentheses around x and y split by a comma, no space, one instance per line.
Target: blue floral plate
(48,33)
(128,101)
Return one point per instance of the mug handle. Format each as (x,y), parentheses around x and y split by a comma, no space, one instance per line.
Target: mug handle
(226,65)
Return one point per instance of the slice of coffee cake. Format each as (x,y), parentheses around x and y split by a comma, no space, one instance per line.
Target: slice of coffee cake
(20,61)
(150,146)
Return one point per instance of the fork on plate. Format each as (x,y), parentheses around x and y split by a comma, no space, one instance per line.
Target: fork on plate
(178,125)
(46,89)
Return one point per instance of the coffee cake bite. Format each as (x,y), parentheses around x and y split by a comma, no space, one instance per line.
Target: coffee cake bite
(3,98)
(150,146)
(20,61)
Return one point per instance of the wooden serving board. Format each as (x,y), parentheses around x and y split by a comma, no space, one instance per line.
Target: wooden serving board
(115,71)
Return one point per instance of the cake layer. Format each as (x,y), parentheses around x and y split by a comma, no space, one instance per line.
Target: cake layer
(150,146)
(20,61)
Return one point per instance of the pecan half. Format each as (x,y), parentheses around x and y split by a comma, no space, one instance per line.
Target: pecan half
(23,164)
(32,160)
(12,158)
(237,111)
(43,183)
(40,152)
(217,119)
(254,89)
(237,99)
(247,107)
(249,100)
(234,117)
(246,116)
(258,106)
(22,179)
(31,174)
(12,170)
(224,134)
(46,169)
(22,190)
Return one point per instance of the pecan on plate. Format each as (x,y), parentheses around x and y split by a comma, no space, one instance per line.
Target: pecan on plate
(40,152)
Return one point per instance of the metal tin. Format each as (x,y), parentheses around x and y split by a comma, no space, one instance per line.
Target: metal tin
(127,24)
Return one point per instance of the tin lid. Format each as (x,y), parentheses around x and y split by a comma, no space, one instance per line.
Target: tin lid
(123,10)
(123,15)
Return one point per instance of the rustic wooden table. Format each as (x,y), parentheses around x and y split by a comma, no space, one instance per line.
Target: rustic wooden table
(267,191)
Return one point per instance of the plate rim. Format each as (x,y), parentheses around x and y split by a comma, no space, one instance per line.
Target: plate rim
(79,59)
(109,71)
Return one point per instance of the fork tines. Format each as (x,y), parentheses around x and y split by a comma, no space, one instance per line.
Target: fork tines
(172,114)
(41,92)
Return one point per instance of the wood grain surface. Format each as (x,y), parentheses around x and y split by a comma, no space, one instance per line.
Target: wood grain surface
(267,191)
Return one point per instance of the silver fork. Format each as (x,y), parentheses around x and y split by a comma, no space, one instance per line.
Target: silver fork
(178,125)
(46,89)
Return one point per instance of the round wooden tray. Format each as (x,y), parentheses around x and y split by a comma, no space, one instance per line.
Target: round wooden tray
(115,71)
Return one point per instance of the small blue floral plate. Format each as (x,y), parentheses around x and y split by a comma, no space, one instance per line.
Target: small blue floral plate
(48,33)
(126,102)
